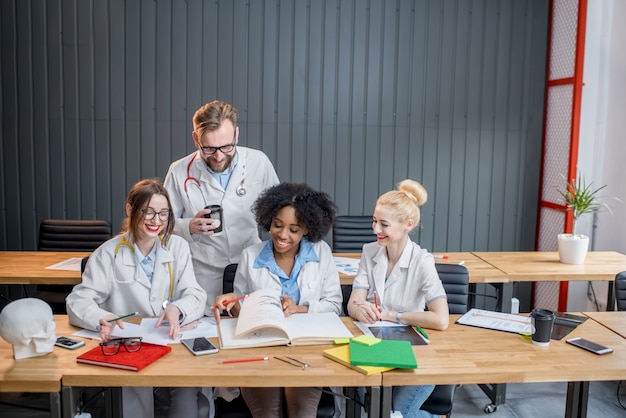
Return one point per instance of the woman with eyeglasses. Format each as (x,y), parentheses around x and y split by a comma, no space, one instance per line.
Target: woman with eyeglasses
(144,269)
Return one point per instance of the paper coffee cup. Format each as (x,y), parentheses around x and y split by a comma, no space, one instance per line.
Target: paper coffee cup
(216,215)
(541,324)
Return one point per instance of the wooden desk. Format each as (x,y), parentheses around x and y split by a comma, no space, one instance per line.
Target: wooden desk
(535,266)
(532,266)
(615,321)
(467,355)
(29,267)
(479,270)
(180,368)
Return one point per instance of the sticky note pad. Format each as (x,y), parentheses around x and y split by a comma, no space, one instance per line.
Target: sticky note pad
(366,340)
(338,341)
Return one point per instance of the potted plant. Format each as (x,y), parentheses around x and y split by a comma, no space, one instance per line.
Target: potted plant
(580,198)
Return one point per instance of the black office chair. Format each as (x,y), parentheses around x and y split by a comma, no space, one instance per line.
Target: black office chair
(455,281)
(620,290)
(68,235)
(349,235)
(351,232)
(237,408)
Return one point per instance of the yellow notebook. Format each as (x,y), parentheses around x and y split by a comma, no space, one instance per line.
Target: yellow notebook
(341,354)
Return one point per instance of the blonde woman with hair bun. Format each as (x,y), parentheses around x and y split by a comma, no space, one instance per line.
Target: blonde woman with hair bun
(397,280)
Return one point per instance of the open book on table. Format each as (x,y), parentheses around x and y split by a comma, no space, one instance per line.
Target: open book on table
(261,323)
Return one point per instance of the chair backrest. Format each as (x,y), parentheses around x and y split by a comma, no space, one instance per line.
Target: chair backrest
(68,235)
(455,279)
(351,232)
(620,290)
(83,264)
(72,235)
(229,278)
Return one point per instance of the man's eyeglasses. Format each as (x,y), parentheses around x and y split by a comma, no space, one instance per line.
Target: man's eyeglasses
(112,347)
(226,149)
(150,213)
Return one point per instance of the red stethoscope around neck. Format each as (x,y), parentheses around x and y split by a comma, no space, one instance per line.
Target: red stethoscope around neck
(189,176)
(241,189)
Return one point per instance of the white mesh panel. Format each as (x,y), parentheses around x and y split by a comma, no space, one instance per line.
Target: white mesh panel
(564,26)
(547,295)
(551,225)
(558,132)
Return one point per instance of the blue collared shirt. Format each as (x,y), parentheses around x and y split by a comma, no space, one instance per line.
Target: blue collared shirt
(147,262)
(224,177)
(289,283)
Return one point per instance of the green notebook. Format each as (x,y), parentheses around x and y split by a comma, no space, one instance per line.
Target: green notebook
(386,353)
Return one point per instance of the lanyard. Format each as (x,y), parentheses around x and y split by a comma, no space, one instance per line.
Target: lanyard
(123,242)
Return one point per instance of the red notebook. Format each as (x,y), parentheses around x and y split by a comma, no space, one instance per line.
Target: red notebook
(136,361)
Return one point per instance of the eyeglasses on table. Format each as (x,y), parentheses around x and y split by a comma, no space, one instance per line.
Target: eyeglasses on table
(112,347)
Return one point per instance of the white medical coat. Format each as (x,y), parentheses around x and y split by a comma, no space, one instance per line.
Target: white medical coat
(212,253)
(412,284)
(320,288)
(117,285)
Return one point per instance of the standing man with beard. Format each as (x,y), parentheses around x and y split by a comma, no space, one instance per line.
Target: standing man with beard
(218,173)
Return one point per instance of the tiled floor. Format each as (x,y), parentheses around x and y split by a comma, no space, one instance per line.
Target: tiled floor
(545,400)
(527,400)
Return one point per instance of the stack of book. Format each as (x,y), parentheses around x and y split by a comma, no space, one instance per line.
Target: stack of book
(369,355)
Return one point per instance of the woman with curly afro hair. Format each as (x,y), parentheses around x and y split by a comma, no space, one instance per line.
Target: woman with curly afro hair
(299,265)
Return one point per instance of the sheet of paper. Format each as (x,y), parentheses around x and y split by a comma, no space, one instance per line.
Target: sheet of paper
(85,333)
(347,265)
(204,327)
(499,321)
(71,264)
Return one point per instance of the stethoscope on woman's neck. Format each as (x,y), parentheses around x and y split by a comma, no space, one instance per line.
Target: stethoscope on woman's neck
(241,189)
(125,243)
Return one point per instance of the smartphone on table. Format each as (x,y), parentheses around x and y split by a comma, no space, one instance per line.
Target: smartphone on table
(589,346)
(69,343)
(199,346)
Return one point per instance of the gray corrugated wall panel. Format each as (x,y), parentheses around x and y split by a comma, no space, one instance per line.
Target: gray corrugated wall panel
(240,63)
(11,210)
(194,75)
(55,134)
(180,134)
(371,92)
(164,30)
(40,108)
(25,106)
(139,154)
(123,110)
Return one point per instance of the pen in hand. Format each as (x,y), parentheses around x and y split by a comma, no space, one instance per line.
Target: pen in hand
(376,304)
(123,316)
(228,302)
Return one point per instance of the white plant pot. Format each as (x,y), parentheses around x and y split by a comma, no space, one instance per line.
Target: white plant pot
(572,248)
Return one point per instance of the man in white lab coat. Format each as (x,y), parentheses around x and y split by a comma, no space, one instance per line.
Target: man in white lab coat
(218,173)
